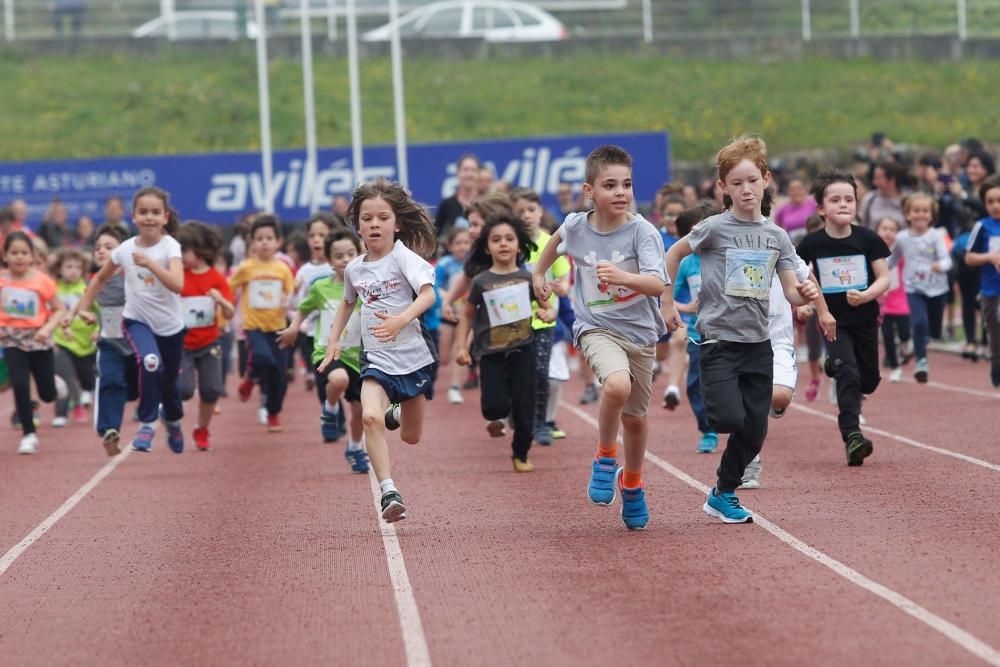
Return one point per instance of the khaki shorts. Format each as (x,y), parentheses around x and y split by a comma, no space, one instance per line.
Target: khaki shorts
(608,352)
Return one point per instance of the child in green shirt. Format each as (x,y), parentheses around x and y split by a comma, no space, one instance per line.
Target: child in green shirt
(76,346)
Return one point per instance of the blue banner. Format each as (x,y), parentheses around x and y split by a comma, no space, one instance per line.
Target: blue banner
(220,187)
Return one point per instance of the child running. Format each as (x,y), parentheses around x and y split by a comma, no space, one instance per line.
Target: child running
(267,284)
(740,250)
(340,378)
(206,293)
(984,250)
(29,312)
(499,309)
(447,271)
(927,261)
(618,257)
(396,285)
(850,263)
(152,317)
(76,349)
(318,228)
(895,309)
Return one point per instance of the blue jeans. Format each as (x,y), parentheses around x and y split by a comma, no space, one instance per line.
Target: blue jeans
(267,366)
(694,388)
(117,383)
(925,318)
(159,362)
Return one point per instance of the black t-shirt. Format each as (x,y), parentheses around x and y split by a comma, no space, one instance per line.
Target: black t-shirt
(448,211)
(503,312)
(842,265)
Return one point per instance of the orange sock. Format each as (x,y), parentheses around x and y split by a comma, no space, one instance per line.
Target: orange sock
(607,452)
(631,480)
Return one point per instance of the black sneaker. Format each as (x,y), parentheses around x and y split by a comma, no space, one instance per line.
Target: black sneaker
(392,506)
(392,417)
(858,449)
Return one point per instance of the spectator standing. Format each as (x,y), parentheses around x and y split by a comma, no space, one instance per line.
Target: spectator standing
(451,211)
(792,216)
(886,199)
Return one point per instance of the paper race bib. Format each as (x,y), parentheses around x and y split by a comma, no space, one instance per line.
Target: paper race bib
(506,305)
(20,303)
(265,294)
(994,244)
(409,333)
(111,321)
(841,274)
(69,301)
(199,311)
(748,272)
(326,318)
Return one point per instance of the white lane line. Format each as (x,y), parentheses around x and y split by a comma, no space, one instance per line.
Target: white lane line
(956,634)
(955,388)
(906,441)
(8,558)
(414,641)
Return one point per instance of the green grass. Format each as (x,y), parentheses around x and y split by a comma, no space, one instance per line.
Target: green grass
(89,106)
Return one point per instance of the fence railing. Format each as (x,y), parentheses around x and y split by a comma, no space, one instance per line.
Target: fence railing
(649,20)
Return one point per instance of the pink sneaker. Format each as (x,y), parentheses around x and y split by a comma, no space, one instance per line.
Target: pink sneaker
(813,389)
(79,414)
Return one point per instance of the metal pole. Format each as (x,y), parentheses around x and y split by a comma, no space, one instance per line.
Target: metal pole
(355,92)
(398,97)
(167,10)
(264,107)
(647,21)
(963,29)
(8,19)
(331,20)
(855,19)
(309,174)
(806,22)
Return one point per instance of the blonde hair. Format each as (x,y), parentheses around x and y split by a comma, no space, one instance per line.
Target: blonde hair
(908,204)
(490,205)
(745,147)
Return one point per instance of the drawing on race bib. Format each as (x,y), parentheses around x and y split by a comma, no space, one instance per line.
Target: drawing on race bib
(842,274)
(69,301)
(600,295)
(748,272)
(506,305)
(265,294)
(22,304)
(199,311)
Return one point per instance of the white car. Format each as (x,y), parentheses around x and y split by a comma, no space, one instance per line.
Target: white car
(490,20)
(199,24)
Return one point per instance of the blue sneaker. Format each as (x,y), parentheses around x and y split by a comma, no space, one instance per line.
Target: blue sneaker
(143,440)
(601,489)
(635,514)
(708,443)
(726,506)
(329,425)
(175,435)
(358,460)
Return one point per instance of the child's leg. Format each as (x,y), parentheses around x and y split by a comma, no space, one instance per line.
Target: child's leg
(112,387)
(187,379)
(755,369)
(495,395)
(846,373)
(814,344)
(866,355)
(522,373)
(446,342)
(889,326)
(86,370)
(678,357)
(991,319)
(356,424)
(63,366)
(374,402)
(920,322)
(555,395)
(539,375)
(226,340)
(268,367)
(210,382)
(633,418)
(935,314)
(171,350)
(694,388)
(147,355)
(20,380)
(242,356)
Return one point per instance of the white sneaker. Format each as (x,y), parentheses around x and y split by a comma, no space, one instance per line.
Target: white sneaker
(86,398)
(861,420)
(455,396)
(896,375)
(261,415)
(751,476)
(29,444)
(62,391)
(59,422)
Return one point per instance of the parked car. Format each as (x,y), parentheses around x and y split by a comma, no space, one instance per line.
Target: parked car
(490,20)
(197,24)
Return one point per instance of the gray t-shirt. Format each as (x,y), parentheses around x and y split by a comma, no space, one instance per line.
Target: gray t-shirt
(738,260)
(635,247)
(111,303)
(503,313)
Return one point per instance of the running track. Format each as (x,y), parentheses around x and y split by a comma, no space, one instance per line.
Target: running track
(267,551)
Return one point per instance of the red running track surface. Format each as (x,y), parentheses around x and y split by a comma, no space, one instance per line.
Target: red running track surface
(268,551)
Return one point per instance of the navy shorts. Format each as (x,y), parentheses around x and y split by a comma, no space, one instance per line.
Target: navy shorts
(353,392)
(665,338)
(401,388)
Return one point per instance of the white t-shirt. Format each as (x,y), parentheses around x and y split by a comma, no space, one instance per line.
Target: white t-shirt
(390,285)
(307,275)
(780,322)
(148,300)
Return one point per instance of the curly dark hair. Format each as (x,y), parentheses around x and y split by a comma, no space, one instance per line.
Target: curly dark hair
(479,259)
(202,240)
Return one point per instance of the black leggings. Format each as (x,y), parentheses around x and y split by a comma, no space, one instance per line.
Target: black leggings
(22,365)
(968,286)
(507,381)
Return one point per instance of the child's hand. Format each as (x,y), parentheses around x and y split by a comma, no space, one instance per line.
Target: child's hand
(611,274)
(547,315)
(42,335)
(66,321)
(216,295)
(856,298)
(803,313)
(87,316)
(671,317)
(936,267)
(542,288)
(141,260)
(448,312)
(995,259)
(390,327)
(287,337)
(332,355)
(808,290)
(828,325)
(463,358)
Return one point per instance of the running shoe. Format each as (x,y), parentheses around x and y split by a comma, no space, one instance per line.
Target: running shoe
(59,422)
(329,425)
(896,375)
(392,417)
(726,506)
(995,376)
(201,439)
(86,398)
(111,441)
(358,459)
(472,381)
(455,395)
(274,423)
(921,370)
(262,416)
(392,506)
(557,433)
(522,466)
(175,436)
(496,428)
(543,434)
(245,388)
(635,514)
(589,394)
(29,444)
(79,414)
(813,390)
(858,449)
(672,398)
(708,443)
(143,440)
(601,490)
(751,476)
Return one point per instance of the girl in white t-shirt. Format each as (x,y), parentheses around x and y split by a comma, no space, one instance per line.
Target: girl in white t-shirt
(398,356)
(152,319)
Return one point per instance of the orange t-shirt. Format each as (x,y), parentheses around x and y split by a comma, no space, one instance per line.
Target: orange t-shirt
(24,302)
(199,308)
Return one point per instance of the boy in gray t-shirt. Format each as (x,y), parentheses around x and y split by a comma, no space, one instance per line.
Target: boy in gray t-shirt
(618,258)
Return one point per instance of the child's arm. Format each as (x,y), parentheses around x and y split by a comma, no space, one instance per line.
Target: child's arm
(688,308)
(827,322)
(84,306)
(223,303)
(393,324)
(944,263)
(879,287)
(55,319)
(290,334)
(668,310)
(983,258)
(333,344)
(459,286)
(545,260)
(172,277)
(797,293)
(462,335)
